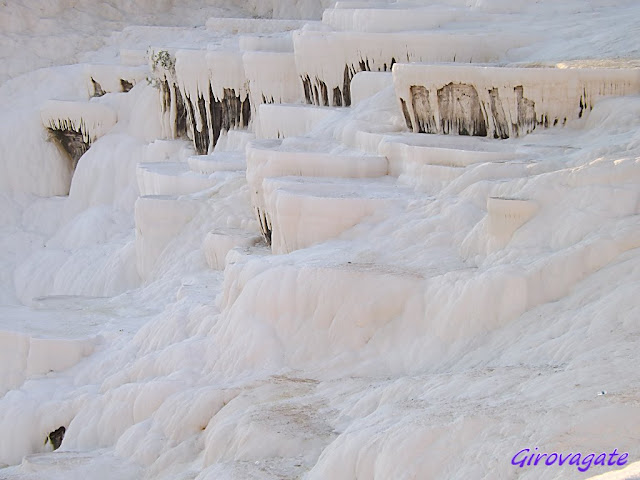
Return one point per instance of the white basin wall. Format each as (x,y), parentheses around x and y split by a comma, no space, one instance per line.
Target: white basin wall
(158,220)
(272,77)
(401,154)
(390,19)
(278,42)
(215,93)
(506,215)
(289,120)
(301,212)
(367,84)
(23,356)
(275,158)
(91,119)
(502,102)
(170,179)
(110,77)
(252,25)
(217,245)
(217,162)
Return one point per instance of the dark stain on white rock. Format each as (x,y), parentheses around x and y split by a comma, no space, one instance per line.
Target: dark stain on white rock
(460,110)
(71,143)
(56,437)
(526,113)
(265,225)
(424,115)
(316,92)
(226,113)
(405,112)
(346,87)
(97,89)
(125,85)
(181,113)
(501,125)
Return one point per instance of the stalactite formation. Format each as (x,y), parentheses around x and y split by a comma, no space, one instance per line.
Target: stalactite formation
(460,110)
(425,120)
(71,142)
(180,121)
(265,225)
(316,91)
(498,115)
(502,102)
(204,118)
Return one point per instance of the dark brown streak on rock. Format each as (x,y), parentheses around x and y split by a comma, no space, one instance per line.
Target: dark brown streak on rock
(70,143)
(246,111)
(181,113)
(424,115)
(337,97)
(308,92)
(215,107)
(97,89)
(200,138)
(499,117)
(526,112)
(265,225)
(460,110)
(405,112)
(125,85)
(324,93)
(346,87)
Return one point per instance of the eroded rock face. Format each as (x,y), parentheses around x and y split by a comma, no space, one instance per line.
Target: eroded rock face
(199,130)
(503,102)
(405,113)
(425,119)
(181,113)
(170,93)
(316,91)
(499,117)
(203,119)
(71,143)
(265,225)
(526,113)
(460,110)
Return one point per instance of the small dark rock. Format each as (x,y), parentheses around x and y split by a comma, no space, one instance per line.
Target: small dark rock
(125,85)
(97,89)
(56,437)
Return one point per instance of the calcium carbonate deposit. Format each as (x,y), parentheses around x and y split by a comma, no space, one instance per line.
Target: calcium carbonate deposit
(318,240)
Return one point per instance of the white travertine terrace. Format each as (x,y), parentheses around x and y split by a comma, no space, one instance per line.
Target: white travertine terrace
(215,90)
(107,78)
(366,84)
(300,212)
(158,220)
(327,60)
(216,245)
(389,19)
(90,119)
(272,77)
(306,158)
(251,25)
(290,120)
(503,102)
(282,260)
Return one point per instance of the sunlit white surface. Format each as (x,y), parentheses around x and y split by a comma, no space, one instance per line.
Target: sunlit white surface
(428,306)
